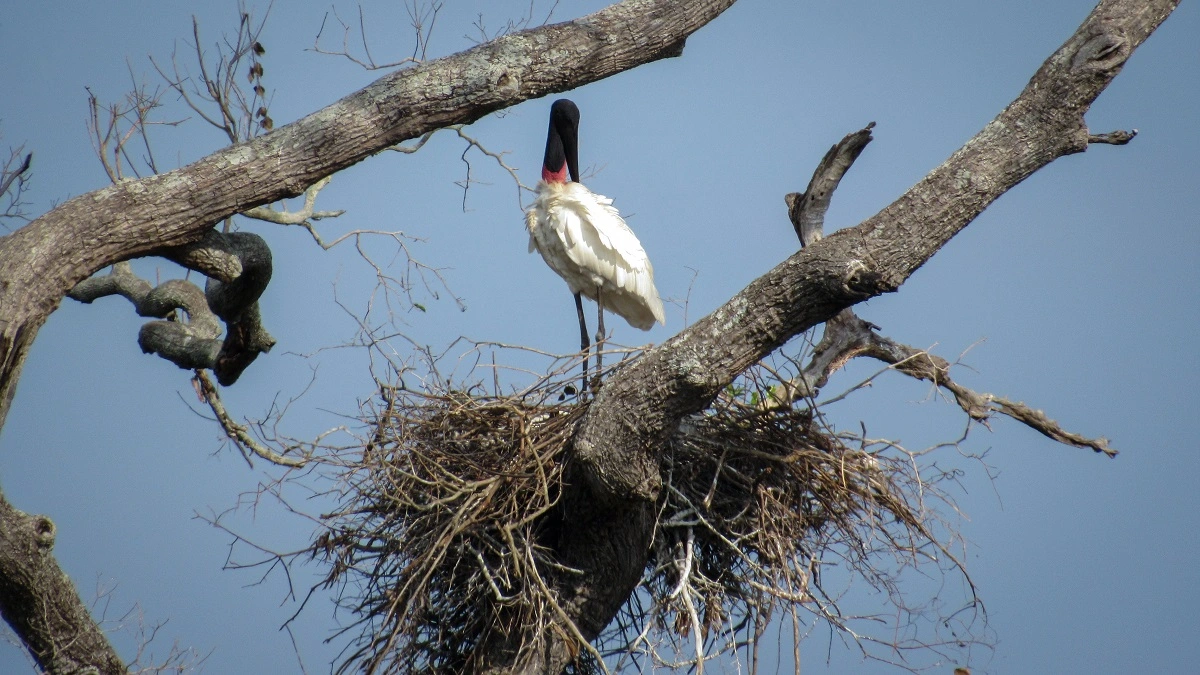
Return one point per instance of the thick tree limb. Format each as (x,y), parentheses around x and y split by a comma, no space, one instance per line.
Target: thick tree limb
(847,336)
(40,603)
(616,450)
(212,255)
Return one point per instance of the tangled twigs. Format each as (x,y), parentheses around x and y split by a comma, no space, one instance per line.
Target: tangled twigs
(452,506)
(757,500)
(440,526)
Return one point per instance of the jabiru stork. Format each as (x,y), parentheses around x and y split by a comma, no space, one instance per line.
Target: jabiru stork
(583,238)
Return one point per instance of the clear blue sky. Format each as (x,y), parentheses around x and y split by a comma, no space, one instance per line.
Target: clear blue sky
(1082,283)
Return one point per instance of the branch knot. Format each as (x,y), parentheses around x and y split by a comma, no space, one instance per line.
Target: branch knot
(863,281)
(44,531)
(1104,51)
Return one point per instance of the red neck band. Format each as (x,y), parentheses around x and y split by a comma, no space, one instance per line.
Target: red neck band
(559,176)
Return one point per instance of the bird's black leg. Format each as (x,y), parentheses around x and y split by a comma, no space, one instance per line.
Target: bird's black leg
(584,346)
(600,336)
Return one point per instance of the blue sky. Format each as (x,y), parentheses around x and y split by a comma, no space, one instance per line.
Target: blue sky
(1076,292)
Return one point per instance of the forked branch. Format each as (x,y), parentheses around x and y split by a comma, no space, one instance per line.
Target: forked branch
(847,336)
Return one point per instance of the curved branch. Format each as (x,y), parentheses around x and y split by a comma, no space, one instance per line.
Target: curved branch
(10,177)
(847,336)
(306,213)
(212,255)
(238,433)
(807,210)
(239,267)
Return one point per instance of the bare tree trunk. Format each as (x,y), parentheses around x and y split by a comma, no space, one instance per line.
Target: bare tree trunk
(40,602)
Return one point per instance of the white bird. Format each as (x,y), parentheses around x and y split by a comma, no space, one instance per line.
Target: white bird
(583,238)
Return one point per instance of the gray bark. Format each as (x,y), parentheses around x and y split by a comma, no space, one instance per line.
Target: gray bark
(40,602)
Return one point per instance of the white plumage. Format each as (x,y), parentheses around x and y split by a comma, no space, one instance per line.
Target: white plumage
(583,238)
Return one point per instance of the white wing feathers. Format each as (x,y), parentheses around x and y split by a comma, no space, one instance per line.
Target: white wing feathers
(583,238)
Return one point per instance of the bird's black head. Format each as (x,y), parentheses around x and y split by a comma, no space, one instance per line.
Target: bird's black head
(562,141)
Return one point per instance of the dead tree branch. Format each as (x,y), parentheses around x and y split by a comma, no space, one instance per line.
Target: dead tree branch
(238,265)
(807,209)
(422,19)
(1113,137)
(9,177)
(217,95)
(239,434)
(847,336)
(14,179)
(306,213)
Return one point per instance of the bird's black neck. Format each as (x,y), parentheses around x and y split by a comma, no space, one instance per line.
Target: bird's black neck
(562,149)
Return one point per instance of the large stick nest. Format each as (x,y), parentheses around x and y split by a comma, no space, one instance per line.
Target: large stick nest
(436,552)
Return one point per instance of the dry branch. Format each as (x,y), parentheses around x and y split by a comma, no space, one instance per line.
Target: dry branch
(18,173)
(807,209)
(238,433)
(846,336)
